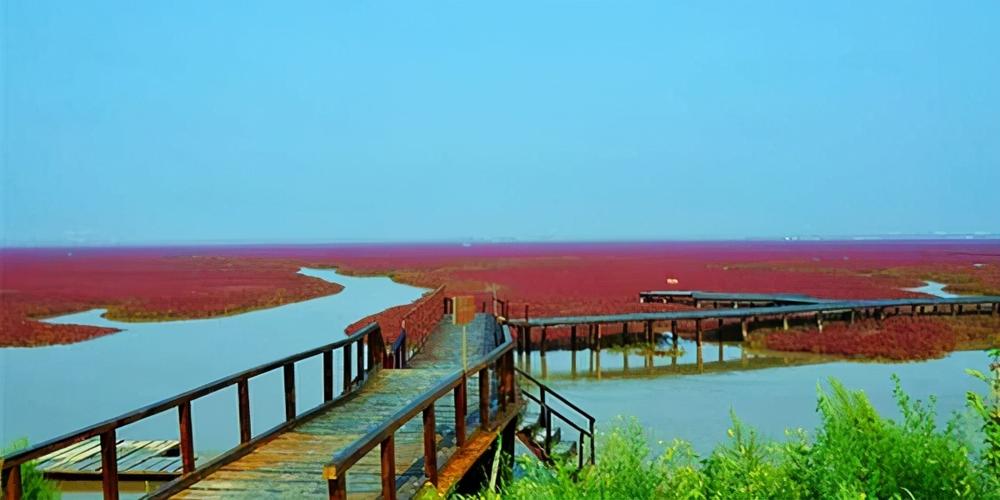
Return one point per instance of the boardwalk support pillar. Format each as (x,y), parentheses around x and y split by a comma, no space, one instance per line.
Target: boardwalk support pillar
(697,332)
(744,327)
(784,321)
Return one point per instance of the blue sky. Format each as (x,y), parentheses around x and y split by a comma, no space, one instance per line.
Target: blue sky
(190,121)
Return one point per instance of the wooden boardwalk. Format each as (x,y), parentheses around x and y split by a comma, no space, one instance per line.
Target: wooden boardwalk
(736,299)
(781,307)
(154,460)
(989,302)
(291,465)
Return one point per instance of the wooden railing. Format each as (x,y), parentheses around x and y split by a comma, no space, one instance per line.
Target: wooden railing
(418,322)
(544,401)
(500,360)
(10,466)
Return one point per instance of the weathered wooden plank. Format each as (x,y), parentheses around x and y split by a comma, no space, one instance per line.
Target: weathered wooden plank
(291,464)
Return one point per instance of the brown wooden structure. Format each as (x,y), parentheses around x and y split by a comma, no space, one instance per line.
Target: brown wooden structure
(329,450)
(741,308)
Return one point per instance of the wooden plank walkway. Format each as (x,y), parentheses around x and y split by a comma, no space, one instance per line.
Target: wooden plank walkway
(291,464)
(747,312)
(696,297)
(137,460)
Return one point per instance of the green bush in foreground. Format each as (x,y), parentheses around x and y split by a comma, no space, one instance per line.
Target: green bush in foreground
(33,485)
(856,454)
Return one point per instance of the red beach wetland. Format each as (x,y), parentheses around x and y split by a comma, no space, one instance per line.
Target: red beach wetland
(154,284)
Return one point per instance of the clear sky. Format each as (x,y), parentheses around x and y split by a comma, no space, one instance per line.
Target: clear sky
(195,121)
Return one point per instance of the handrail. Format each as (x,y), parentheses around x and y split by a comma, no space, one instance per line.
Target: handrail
(546,416)
(558,396)
(335,471)
(555,412)
(370,334)
(347,457)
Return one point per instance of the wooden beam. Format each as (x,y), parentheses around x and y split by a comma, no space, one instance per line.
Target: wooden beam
(430,445)
(12,483)
(388,454)
(109,460)
(289,376)
(243,400)
(328,375)
(484,398)
(186,435)
(347,368)
(337,487)
(460,409)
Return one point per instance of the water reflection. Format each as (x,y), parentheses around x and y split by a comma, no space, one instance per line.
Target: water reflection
(646,360)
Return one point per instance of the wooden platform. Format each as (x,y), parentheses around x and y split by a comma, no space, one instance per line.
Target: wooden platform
(696,296)
(157,460)
(291,464)
(730,313)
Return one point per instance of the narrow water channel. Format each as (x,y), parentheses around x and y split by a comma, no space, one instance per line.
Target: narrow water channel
(48,391)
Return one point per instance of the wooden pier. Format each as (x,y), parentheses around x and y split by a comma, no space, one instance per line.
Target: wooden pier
(732,307)
(155,460)
(386,433)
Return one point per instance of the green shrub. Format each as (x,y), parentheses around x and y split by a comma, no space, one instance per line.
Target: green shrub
(855,454)
(33,485)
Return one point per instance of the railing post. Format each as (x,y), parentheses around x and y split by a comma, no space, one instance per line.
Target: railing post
(460,409)
(484,398)
(327,376)
(337,487)
(186,436)
(12,483)
(388,453)
(361,357)
(508,379)
(289,370)
(243,395)
(546,421)
(109,463)
(402,352)
(592,455)
(347,367)
(430,445)
(371,351)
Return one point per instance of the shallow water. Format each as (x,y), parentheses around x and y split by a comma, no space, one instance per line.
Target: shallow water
(48,391)
(933,288)
(680,398)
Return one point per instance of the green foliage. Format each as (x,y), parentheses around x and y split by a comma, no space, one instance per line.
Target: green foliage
(855,454)
(33,484)
(988,409)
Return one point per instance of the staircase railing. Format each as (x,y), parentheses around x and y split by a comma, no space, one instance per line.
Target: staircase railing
(544,399)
